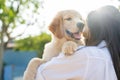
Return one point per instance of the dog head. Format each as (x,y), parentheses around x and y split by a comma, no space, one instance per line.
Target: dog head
(68,24)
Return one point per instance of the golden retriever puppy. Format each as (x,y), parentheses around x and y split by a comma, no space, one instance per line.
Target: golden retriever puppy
(66,26)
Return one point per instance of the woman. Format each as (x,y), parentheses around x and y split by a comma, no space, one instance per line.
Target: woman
(99,60)
(104,24)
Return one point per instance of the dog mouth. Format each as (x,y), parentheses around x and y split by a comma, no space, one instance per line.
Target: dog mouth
(76,35)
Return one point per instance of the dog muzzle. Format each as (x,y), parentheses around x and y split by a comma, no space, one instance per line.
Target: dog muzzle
(76,36)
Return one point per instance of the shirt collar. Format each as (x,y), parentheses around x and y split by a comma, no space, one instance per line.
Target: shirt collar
(102,44)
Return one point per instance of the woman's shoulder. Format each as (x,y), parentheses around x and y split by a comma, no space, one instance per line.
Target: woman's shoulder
(94,52)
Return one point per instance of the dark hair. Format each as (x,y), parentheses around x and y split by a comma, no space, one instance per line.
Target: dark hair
(104,24)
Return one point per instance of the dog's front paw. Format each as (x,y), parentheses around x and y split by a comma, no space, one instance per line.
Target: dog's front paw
(69,48)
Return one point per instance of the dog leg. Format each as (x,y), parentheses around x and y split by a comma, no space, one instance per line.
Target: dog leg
(31,69)
(69,48)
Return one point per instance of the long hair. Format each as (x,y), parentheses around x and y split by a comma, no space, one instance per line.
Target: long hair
(104,24)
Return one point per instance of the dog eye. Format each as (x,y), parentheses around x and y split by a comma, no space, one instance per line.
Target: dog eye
(69,19)
(81,19)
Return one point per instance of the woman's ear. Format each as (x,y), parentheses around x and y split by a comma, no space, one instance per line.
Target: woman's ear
(56,26)
(86,32)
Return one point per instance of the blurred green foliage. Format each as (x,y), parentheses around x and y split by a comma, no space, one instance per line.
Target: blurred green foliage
(33,43)
(11,15)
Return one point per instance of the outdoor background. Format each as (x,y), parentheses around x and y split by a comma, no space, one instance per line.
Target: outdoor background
(23,29)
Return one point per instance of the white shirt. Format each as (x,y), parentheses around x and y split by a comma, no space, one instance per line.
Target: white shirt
(88,63)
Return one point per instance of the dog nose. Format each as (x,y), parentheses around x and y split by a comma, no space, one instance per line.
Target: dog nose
(80,25)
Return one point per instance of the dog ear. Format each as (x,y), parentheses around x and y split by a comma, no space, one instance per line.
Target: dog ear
(56,26)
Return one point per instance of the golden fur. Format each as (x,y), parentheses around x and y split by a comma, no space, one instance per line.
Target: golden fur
(64,21)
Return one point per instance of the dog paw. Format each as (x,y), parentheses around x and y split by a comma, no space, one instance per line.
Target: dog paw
(69,48)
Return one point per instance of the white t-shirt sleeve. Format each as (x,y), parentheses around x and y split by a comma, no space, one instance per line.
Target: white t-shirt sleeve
(85,64)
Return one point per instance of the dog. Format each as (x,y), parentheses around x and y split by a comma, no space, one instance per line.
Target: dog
(66,29)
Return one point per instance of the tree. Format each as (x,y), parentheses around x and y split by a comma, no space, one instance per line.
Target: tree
(37,43)
(10,15)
